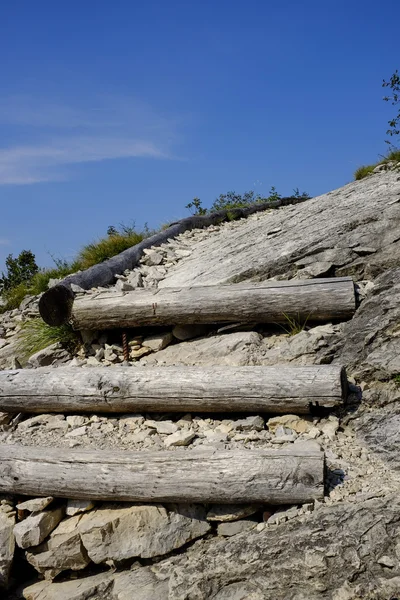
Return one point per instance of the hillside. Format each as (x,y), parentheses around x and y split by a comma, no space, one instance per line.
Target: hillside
(343,546)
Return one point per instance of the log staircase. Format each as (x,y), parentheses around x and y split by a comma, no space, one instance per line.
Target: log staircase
(286,476)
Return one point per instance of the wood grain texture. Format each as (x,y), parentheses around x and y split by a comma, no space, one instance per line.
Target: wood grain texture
(267,302)
(270,389)
(285,476)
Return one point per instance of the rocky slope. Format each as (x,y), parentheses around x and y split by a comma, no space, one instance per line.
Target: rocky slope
(346,547)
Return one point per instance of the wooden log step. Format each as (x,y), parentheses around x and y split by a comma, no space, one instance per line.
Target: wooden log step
(55,304)
(267,302)
(285,476)
(270,389)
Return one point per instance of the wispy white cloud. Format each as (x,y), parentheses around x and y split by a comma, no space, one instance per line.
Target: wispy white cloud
(58,136)
(4,242)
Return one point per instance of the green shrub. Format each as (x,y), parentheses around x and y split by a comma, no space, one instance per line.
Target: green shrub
(19,270)
(117,241)
(363,171)
(35,335)
(40,281)
(394,155)
(13,297)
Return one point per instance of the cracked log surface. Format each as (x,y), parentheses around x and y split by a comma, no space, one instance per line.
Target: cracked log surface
(274,389)
(287,476)
(268,302)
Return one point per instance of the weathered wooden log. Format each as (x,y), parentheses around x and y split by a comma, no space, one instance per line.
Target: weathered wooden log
(267,302)
(285,476)
(270,389)
(56,304)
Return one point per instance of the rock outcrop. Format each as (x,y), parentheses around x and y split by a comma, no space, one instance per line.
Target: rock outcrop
(346,547)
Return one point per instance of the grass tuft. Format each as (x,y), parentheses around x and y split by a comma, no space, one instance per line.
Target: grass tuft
(294,325)
(36,335)
(363,171)
(393,155)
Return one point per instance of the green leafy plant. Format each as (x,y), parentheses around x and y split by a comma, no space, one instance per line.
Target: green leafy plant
(394,99)
(13,297)
(294,325)
(196,207)
(396,378)
(19,270)
(35,335)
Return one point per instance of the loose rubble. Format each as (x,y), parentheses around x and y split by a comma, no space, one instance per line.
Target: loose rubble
(342,548)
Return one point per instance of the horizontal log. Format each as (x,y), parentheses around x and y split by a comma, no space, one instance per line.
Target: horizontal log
(56,304)
(285,476)
(271,389)
(267,302)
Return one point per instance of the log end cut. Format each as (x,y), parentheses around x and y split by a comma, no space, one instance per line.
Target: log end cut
(55,306)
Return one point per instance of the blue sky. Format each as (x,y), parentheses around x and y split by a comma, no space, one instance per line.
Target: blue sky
(114,112)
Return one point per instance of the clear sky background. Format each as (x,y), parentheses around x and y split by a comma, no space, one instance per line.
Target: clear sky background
(120,111)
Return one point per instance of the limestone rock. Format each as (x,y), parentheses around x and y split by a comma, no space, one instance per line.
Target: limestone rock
(74,507)
(158,342)
(188,332)
(239,348)
(180,438)
(255,423)
(228,529)
(140,584)
(35,504)
(163,427)
(136,354)
(225,513)
(117,532)
(359,213)
(296,559)
(135,279)
(293,422)
(54,354)
(7,544)
(35,528)
(86,588)
(152,257)
(62,551)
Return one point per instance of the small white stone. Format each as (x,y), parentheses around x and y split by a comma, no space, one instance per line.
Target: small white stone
(180,438)
(77,432)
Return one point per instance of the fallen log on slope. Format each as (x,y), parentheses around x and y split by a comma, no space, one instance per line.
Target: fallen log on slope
(267,302)
(56,304)
(286,476)
(270,389)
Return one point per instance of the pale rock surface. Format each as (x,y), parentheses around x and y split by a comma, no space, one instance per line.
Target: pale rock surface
(158,342)
(225,513)
(61,551)
(140,584)
(74,507)
(358,213)
(188,332)
(239,349)
(7,542)
(35,504)
(54,354)
(35,528)
(180,438)
(117,532)
(229,529)
(87,588)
